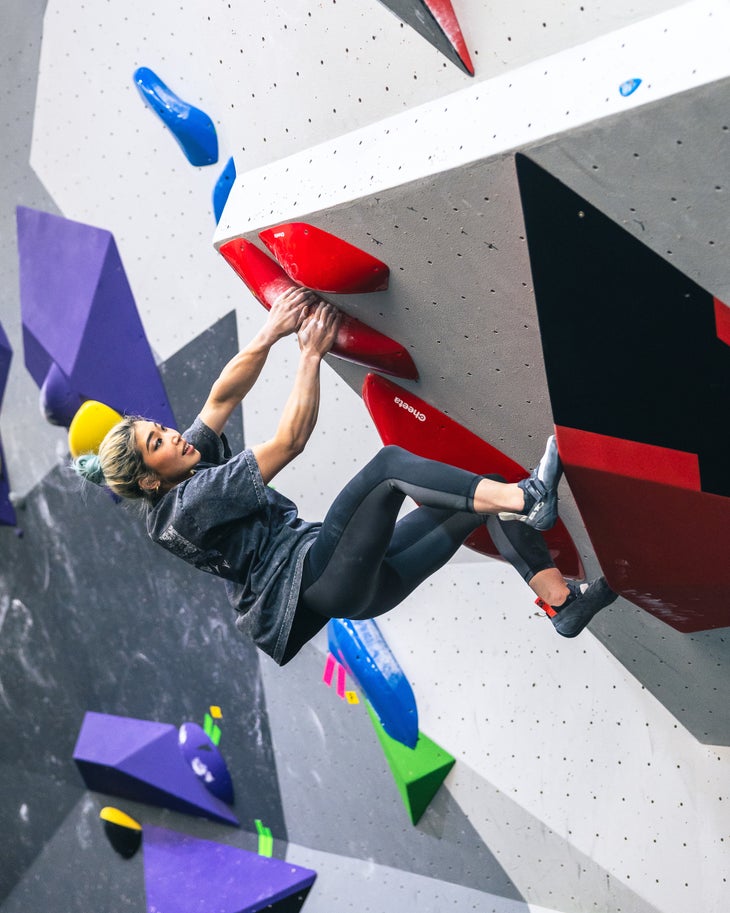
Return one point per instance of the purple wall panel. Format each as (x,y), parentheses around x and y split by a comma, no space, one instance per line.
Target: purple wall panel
(186,875)
(142,761)
(79,312)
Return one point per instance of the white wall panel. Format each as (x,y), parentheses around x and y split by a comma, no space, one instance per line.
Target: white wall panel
(275,78)
(565,733)
(671,52)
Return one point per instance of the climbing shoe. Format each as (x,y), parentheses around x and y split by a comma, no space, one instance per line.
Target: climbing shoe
(583,603)
(541,491)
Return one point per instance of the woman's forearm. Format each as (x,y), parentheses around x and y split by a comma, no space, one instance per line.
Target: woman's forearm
(302,407)
(242,371)
(236,380)
(297,421)
(299,417)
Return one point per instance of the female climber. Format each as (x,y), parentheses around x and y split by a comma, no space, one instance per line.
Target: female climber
(285,576)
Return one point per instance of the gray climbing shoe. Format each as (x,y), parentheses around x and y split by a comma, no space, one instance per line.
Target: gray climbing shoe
(541,491)
(586,601)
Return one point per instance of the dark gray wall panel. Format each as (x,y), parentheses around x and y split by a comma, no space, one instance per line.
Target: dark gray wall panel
(94,616)
(32,807)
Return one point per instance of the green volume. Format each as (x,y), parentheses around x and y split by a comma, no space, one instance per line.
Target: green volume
(418,772)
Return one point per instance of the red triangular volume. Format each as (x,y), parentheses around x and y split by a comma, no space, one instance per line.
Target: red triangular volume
(435,21)
(443,12)
(323,261)
(355,341)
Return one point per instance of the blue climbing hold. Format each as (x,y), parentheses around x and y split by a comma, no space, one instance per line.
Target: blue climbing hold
(190,126)
(206,761)
(223,188)
(361,648)
(629,87)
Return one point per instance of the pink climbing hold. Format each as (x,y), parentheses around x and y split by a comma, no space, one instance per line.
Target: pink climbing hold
(329,670)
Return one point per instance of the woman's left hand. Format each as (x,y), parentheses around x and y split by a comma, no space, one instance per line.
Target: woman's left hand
(318,333)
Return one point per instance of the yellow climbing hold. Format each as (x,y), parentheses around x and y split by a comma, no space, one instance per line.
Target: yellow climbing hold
(89,426)
(116,816)
(122,832)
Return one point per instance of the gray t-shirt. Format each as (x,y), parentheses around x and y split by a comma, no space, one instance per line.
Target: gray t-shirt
(226,521)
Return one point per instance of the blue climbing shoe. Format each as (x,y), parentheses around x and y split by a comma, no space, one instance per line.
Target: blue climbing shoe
(585,601)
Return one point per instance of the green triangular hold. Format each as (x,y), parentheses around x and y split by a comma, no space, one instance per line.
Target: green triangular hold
(418,772)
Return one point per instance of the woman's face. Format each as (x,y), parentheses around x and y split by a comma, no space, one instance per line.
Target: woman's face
(165,452)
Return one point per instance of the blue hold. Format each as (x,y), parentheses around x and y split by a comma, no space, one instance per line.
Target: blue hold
(206,761)
(361,648)
(629,87)
(223,188)
(190,126)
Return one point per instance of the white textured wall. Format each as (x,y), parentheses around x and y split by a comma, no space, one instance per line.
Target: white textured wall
(670,52)
(275,78)
(559,728)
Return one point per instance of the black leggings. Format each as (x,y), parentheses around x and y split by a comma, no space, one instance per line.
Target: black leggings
(365,560)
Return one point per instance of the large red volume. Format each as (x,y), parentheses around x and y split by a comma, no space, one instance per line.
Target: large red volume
(355,340)
(648,522)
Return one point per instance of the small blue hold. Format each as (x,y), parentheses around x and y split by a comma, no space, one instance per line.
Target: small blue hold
(190,126)
(223,188)
(629,87)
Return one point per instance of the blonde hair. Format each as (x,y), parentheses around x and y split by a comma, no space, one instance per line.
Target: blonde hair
(118,464)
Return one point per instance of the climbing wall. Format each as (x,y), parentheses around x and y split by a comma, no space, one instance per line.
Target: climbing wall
(589,774)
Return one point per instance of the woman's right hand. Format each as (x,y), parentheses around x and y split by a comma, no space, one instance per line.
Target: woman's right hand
(318,333)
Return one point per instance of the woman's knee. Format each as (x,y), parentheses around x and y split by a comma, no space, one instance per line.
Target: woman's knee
(389,457)
(327,605)
(393,452)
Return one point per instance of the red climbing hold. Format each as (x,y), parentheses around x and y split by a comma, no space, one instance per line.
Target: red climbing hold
(323,261)
(355,341)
